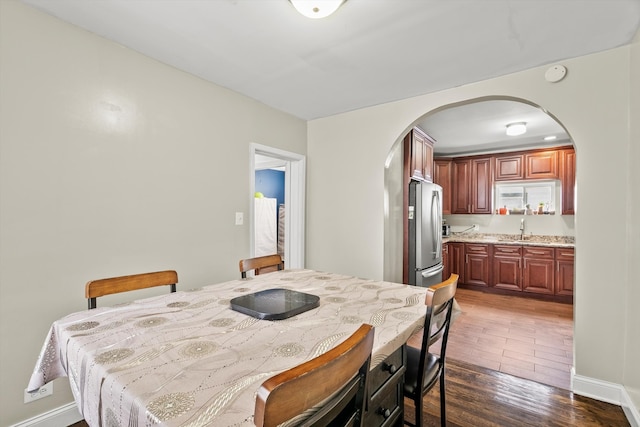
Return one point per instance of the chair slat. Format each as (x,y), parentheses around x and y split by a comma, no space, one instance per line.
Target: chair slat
(114,285)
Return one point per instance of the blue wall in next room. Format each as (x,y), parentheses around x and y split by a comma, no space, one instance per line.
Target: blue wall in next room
(271,183)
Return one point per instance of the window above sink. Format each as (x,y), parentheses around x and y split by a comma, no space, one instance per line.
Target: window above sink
(527,197)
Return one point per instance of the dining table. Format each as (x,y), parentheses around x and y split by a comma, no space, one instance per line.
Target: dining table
(192,359)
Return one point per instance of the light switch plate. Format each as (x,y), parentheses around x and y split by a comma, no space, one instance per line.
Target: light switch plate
(239,218)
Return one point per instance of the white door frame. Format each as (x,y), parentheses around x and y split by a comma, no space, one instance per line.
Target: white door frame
(294,197)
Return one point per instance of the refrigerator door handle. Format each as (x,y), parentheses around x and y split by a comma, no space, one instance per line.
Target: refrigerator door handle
(432,271)
(436,222)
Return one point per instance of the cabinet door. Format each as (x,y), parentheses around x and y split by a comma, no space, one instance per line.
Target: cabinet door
(507,267)
(420,148)
(538,272)
(427,165)
(506,273)
(568,179)
(564,271)
(509,167)
(481,186)
(477,264)
(461,183)
(417,155)
(456,260)
(541,165)
(442,176)
(446,263)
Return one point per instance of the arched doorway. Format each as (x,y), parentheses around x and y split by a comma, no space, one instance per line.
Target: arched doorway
(477,127)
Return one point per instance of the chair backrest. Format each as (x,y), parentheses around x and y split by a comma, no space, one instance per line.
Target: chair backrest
(329,389)
(258,263)
(439,302)
(114,285)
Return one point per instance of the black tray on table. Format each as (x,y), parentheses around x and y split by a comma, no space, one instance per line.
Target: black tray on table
(275,304)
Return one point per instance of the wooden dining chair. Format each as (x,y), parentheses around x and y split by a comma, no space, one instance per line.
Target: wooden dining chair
(267,262)
(424,368)
(327,390)
(114,285)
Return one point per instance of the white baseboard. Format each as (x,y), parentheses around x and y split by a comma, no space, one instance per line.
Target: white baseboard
(606,392)
(62,416)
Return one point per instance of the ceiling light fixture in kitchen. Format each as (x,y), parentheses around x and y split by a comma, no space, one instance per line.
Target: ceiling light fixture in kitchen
(550,138)
(515,129)
(316,8)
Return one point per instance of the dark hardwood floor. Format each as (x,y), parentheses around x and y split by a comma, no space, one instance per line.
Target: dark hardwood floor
(508,366)
(481,397)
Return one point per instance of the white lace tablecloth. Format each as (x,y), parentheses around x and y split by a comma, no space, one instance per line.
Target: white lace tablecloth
(188,359)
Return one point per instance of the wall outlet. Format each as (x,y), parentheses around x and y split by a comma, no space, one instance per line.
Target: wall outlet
(476,227)
(239,218)
(44,391)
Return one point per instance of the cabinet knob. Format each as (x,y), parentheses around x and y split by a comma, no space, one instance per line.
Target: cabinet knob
(392,369)
(385,412)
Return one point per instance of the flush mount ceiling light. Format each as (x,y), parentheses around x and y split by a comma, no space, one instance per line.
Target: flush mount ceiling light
(550,138)
(316,8)
(515,129)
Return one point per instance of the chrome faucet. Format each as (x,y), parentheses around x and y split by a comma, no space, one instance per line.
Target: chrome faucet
(522,229)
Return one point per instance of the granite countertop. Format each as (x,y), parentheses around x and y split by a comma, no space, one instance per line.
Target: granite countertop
(512,239)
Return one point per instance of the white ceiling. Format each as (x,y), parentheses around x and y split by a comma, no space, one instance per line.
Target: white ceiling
(481,127)
(369,52)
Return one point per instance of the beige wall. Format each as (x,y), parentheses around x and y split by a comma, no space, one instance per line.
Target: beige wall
(631,373)
(110,163)
(345,229)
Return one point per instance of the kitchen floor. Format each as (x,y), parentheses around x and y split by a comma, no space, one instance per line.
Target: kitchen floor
(524,337)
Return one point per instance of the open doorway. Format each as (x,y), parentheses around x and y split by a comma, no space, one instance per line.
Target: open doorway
(290,169)
(464,132)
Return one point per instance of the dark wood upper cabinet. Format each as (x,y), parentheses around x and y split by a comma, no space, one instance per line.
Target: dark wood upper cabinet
(541,165)
(460,194)
(527,165)
(481,185)
(418,149)
(467,182)
(471,185)
(442,175)
(509,167)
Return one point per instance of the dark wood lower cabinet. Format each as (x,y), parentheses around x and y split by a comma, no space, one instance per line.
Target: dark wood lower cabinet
(386,392)
(457,260)
(538,271)
(507,267)
(564,271)
(446,270)
(477,264)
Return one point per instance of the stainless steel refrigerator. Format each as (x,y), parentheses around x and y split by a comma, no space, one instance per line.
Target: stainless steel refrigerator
(425,234)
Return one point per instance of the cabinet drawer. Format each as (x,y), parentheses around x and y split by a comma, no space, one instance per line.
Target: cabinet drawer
(564,254)
(386,409)
(507,250)
(538,252)
(392,365)
(474,248)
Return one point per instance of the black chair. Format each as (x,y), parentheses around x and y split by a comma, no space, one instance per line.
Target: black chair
(329,390)
(267,262)
(424,368)
(114,285)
